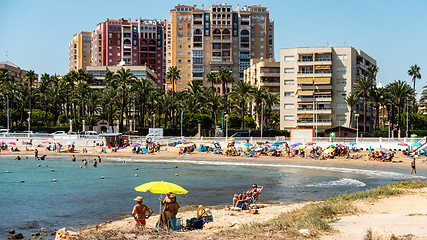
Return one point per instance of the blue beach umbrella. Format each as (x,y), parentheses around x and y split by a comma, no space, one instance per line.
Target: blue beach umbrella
(352,143)
(275,145)
(236,142)
(248,145)
(279,142)
(273,148)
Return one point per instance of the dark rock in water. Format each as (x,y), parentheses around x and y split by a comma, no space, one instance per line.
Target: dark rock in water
(53,233)
(35,234)
(11,231)
(16,236)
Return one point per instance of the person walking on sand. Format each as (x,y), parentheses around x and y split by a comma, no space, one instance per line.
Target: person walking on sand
(139,211)
(413,169)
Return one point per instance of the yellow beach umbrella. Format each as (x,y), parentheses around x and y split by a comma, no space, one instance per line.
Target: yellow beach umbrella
(231,139)
(161,188)
(329,150)
(300,148)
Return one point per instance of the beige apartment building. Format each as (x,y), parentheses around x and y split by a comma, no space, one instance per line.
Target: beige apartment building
(80,51)
(16,72)
(314,84)
(200,41)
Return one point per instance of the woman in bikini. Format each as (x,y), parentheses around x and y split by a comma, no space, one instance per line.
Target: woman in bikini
(139,211)
(171,207)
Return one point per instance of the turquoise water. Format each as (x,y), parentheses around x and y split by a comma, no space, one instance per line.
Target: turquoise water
(80,197)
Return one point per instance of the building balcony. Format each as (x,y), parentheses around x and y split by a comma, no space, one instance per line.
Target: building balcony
(221,62)
(197,78)
(323,61)
(324,98)
(320,122)
(305,62)
(306,99)
(319,110)
(269,74)
(221,40)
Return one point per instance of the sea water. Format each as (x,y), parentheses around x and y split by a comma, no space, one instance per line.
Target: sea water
(83,196)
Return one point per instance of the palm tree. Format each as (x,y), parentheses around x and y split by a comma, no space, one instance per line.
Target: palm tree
(123,78)
(214,102)
(55,96)
(351,100)
(378,98)
(271,99)
(241,93)
(140,91)
(414,72)
(173,75)
(258,95)
(82,90)
(211,77)
(362,88)
(108,100)
(399,91)
(224,76)
(31,77)
(373,70)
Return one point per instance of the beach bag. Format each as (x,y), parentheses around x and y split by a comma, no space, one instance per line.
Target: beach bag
(194,223)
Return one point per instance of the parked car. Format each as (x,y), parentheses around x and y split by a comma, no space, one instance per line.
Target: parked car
(42,132)
(240,135)
(71,133)
(88,133)
(59,133)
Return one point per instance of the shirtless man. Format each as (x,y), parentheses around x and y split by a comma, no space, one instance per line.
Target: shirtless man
(73,158)
(413,169)
(139,211)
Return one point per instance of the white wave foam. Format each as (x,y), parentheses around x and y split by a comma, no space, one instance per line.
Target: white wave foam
(341,182)
(366,172)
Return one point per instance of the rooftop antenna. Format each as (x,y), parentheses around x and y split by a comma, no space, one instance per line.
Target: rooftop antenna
(6,57)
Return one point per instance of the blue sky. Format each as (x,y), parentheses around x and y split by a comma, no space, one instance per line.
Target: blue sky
(35,34)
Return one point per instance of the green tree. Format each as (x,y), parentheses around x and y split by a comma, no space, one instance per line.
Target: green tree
(224,76)
(211,77)
(399,92)
(362,88)
(414,72)
(30,76)
(241,93)
(123,78)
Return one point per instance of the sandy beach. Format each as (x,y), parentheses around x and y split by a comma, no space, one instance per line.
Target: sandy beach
(386,214)
(171,153)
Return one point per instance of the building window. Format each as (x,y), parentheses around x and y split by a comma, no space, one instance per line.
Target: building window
(342,69)
(340,118)
(341,105)
(289,58)
(342,93)
(289,70)
(341,56)
(342,81)
(179,46)
(179,53)
(289,106)
(289,118)
(179,60)
(288,94)
(289,82)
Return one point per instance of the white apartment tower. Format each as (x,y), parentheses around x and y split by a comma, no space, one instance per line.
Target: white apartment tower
(314,82)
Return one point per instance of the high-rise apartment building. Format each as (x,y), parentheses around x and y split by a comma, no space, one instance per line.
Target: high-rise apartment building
(80,49)
(314,82)
(200,41)
(126,43)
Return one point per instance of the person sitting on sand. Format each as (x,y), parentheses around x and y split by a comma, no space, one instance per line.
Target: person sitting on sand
(171,207)
(139,211)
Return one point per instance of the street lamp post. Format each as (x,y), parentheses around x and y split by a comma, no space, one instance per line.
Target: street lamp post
(29,123)
(226,127)
(130,125)
(182,114)
(357,126)
(154,121)
(8,121)
(84,125)
(262,116)
(71,125)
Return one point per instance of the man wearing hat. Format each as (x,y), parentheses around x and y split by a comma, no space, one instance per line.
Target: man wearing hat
(139,211)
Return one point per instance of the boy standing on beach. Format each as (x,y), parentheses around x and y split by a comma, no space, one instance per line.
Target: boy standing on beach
(139,211)
(413,169)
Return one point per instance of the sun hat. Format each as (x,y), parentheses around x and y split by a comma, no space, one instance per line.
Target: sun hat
(138,199)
